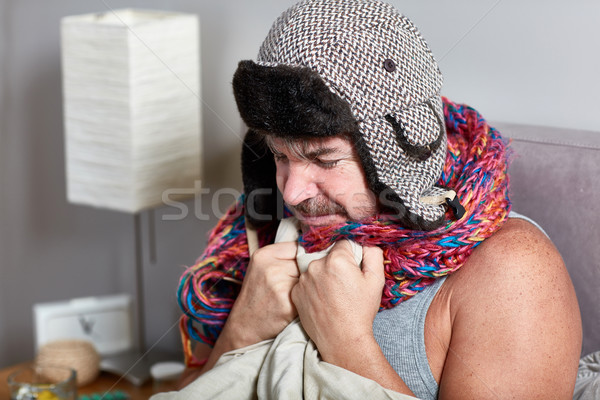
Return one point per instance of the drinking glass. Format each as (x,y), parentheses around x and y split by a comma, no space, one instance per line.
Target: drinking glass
(43,382)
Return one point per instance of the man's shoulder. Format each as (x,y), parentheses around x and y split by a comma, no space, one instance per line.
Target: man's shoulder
(512,307)
(516,269)
(516,256)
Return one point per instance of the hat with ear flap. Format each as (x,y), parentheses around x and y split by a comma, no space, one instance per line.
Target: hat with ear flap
(357,68)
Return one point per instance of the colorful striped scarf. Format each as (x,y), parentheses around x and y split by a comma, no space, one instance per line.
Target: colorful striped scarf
(476,167)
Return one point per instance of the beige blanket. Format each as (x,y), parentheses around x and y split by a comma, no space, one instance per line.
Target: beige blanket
(287,367)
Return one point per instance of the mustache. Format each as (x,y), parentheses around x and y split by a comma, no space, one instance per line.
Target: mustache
(318,206)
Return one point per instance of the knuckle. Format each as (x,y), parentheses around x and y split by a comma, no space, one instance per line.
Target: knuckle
(260,255)
(274,283)
(338,257)
(302,278)
(311,268)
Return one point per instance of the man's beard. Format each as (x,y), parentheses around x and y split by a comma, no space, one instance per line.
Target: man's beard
(317,206)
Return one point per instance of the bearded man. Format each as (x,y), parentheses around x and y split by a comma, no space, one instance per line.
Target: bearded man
(425,282)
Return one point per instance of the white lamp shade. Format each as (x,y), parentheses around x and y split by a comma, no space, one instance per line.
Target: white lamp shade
(131,107)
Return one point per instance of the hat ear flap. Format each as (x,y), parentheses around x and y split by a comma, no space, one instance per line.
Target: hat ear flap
(263,201)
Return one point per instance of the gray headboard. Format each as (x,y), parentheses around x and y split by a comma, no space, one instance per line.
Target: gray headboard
(555,180)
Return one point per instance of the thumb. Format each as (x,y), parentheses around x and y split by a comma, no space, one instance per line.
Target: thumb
(372,265)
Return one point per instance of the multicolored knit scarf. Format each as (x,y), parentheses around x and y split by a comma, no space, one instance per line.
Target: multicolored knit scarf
(476,167)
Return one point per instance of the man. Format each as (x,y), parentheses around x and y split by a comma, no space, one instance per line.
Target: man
(347,123)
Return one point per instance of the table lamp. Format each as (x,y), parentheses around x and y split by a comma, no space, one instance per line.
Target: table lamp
(131,94)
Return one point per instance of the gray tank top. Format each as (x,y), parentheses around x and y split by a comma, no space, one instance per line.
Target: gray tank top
(400,332)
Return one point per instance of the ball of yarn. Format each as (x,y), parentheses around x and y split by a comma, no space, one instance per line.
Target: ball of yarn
(81,355)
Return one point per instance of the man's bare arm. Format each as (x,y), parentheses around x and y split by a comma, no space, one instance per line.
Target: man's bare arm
(516,330)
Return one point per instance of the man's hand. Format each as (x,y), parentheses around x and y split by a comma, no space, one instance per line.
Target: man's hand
(264,306)
(262,309)
(337,301)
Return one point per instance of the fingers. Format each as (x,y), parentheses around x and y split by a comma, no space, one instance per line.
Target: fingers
(342,244)
(373,262)
(372,255)
(277,251)
(278,259)
(346,248)
(284,250)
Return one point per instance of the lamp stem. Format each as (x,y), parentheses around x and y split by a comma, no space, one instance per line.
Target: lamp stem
(152,236)
(139,281)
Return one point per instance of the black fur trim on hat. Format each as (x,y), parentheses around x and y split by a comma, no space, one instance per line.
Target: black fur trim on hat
(263,201)
(289,101)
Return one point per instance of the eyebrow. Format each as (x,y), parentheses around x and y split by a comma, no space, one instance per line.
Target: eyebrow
(320,152)
(305,154)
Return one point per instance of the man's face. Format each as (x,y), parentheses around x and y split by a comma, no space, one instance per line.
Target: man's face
(322,181)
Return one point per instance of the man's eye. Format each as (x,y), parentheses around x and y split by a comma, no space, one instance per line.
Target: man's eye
(327,164)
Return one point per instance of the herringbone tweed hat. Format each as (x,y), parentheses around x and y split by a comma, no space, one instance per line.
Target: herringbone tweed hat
(352,67)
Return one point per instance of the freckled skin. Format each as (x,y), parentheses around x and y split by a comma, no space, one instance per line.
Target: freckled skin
(507,324)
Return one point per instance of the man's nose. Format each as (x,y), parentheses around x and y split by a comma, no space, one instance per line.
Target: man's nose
(298,183)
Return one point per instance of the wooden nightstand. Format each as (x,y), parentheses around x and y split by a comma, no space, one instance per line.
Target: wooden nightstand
(105,382)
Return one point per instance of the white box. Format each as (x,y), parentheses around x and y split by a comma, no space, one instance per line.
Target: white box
(105,321)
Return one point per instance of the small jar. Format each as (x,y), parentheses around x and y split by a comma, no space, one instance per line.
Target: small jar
(80,355)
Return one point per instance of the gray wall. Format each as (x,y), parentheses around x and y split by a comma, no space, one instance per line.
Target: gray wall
(532,62)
